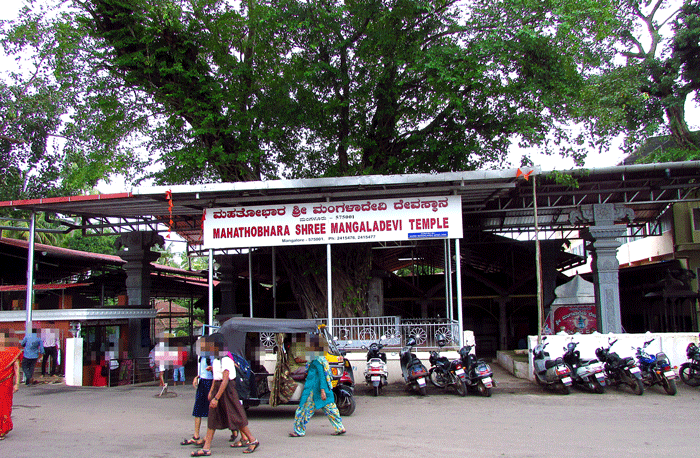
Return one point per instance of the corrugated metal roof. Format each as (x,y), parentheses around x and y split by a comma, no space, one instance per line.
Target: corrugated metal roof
(495,201)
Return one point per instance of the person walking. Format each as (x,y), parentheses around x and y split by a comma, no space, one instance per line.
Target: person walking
(50,341)
(179,366)
(225,408)
(33,348)
(10,355)
(202,383)
(317,394)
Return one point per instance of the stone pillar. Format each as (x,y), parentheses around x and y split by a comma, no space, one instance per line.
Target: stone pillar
(135,249)
(502,322)
(605,268)
(227,284)
(604,238)
(375,293)
(549,250)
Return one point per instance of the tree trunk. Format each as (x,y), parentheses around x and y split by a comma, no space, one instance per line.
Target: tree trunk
(679,128)
(350,267)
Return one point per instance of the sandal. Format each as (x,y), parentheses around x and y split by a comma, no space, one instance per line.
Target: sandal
(240,444)
(193,441)
(253,446)
(234,435)
(294,434)
(201,452)
(339,433)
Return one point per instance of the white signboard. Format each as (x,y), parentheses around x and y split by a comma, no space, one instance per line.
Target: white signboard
(333,222)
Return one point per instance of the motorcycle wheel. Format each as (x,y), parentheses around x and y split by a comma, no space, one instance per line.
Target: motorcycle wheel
(437,379)
(483,390)
(346,405)
(669,386)
(377,390)
(597,387)
(422,391)
(461,388)
(563,389)
(688,375)
(637,387)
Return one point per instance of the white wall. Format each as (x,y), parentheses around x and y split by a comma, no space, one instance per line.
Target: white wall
(673,344)
(74,361)
(645,249)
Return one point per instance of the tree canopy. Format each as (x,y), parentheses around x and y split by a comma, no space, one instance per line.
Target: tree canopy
(645,93)
(214,90)
(228,90)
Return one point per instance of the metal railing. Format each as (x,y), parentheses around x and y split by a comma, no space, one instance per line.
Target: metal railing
(352,333)
(130,371)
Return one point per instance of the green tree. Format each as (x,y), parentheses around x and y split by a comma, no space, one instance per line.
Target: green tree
(94,244)
(646,94)
(61,129)
(261,89)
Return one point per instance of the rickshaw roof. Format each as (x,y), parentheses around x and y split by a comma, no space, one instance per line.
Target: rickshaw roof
(283,325)
(235,329)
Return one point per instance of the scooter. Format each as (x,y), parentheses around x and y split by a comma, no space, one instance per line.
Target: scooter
(444,373)
(620,371)
(345,389)
(550,373)
(478,372)
(586,373)
(656,369)
(412,369)
(376,373)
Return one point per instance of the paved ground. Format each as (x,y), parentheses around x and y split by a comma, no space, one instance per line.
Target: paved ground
(519,420)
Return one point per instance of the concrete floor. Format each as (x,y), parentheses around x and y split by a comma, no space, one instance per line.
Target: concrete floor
(519,420)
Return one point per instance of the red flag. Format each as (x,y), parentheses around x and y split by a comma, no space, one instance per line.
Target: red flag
(525,175)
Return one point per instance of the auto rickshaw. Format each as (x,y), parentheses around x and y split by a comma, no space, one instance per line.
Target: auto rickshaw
(252,342)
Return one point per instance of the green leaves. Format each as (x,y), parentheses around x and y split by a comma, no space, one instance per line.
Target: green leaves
(214,90)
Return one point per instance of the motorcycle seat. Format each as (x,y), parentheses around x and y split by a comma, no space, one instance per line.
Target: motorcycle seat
(299,375)
(548,364)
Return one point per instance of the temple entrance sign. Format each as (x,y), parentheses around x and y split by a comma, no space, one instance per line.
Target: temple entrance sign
(380,220)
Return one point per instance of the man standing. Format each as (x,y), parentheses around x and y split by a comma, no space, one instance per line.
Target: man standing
(50,341)
(33,347)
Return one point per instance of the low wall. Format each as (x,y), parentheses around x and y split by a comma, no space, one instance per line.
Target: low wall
(515,362)
(673,344)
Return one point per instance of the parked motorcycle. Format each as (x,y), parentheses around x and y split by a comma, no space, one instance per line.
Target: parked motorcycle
(585,373)
(690,370)
(444,373)
(345,389)
(412,369)
(620,371)
(550,373)
(376,373)
(656,369)
(478,372)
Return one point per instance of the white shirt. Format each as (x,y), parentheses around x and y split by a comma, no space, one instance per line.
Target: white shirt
(218,366)
(49,339)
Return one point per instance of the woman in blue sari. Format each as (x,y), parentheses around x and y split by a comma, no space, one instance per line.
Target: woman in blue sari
(317,394)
